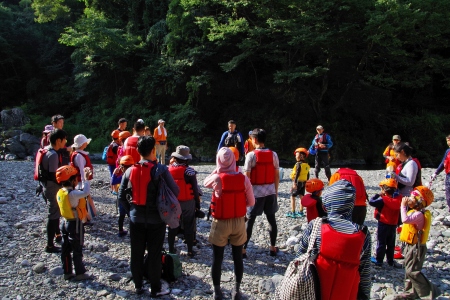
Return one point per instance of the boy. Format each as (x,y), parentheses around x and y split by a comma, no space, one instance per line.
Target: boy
(112,155)
(416,227)
(72,204)
(387,210)
(313,201)
(124,163)
(299,176)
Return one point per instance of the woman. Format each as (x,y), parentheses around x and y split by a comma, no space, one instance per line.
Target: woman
(408,173)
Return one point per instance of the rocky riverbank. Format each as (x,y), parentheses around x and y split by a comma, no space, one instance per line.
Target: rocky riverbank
(27,272)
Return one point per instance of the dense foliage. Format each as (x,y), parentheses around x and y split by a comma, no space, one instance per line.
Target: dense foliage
(365,69)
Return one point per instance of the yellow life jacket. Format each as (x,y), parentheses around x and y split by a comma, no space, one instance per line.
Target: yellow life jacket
(67,211)
(410,233)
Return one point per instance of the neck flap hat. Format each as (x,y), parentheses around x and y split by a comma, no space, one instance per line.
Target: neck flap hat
(339,199)
(226,162)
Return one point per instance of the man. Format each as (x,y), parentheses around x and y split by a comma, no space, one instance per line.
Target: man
(232,138)
(262,167)
(147,229)
(320,146)
(160,135)
(49,164)
(122,124)
(130,145)
(57,123)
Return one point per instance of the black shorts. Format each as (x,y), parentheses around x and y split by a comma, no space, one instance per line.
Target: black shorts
(267,204)
(300,190)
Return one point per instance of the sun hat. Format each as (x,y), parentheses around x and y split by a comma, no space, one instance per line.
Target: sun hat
(182,152)
(396,137)
(161,121)
(79,140)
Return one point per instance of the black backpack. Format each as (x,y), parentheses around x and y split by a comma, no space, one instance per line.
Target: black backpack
(231,140)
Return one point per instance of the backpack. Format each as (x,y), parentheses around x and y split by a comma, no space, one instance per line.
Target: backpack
(301,280)
(168,206)
(171,266)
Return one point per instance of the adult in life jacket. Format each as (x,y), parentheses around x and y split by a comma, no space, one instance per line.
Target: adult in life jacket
(343,263)
(160,135)
(49,163)
(130,145)
(416,227)
(313,200)
(248,145)
(72,204)
(445,166)
(233,138)
(80,158)
(262,167)
(147,229)
(232,194)
(320,147)
(189,198)
(360,209)
(64,152)
(389,153)
(408,173)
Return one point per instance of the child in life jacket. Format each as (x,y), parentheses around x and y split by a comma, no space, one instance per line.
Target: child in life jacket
(299,176)
(313,201)
(445,165)
(72,204)
(124,163)
(387,211)
(416,228)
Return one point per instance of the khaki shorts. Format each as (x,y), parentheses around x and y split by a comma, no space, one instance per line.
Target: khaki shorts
(233,229)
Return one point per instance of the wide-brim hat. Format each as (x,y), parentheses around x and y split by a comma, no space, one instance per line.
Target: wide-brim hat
(79,140)
(182,152)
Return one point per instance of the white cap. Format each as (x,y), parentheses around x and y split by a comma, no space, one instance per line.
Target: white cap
(79,140)
(319,127)
(161,121)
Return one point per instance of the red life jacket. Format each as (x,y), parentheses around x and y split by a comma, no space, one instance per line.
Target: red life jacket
(320,140)
(418,180)
(264,171)
(356,180)
(111,158)
(186,192)
(311,210)
(130,148)
(388,215)
(232,203)
(447,163)
(338,262)
(38,172)
(140,177)
(88,164)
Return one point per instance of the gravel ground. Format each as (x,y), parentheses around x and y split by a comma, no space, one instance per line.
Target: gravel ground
(27,272)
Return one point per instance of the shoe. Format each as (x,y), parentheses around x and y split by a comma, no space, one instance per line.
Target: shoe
(396,265)
(398,248)
(84,276)
(58,238)
(299,214)
(114,193)
(291,215)
(375,261)
(160,293)
(139,291)
(236,295)
(122,233)
(277,252)
(52,249)
(398,255)
(68,276)
(191,254)
(218,295)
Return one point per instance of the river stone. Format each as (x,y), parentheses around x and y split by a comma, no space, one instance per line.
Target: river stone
(39,267)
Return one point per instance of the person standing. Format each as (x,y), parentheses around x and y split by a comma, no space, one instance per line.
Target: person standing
(320,147)
(407,174)
(122,124)
(49,164)
(130,144)
(232,194)
(389,153)
(445,165)
(147,229)
(262,167)
(248,145)
(160,135)
(232,138)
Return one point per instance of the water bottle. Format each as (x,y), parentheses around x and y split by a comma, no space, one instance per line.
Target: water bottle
(281,173)
(389,170)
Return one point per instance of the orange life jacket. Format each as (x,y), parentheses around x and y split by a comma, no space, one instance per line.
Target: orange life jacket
(264,171)
(131,148)
(88,164)
(356,180)
(232,203)
(111,158)
(186,192)
(140,177)
(338,262)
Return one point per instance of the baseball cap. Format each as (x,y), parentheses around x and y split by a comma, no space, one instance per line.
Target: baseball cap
(396,137)
(319,127)
(56,118)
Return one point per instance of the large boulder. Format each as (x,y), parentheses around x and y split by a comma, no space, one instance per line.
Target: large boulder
(11,133)
(13,118)
(14,146)
(31,143)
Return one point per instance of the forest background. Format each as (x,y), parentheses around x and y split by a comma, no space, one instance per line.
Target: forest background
(364,69)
